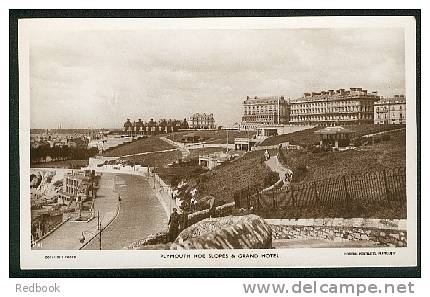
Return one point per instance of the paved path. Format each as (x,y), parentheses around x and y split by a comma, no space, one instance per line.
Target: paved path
(184,150)
(147,153)
(276,166)
(141,214)
(67,236)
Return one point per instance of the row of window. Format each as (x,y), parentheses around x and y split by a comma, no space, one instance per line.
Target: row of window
(334,109)
(70,181)
(384,116)
(332,117)
(389,108)
(327,104)
(71,190)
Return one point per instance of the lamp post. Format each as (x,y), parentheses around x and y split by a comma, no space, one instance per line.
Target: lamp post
(99,223)
(153,176)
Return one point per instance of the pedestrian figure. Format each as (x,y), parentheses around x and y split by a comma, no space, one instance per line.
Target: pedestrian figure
(173,225)
(193,204)
(183,223)
(266,155)
(212,207)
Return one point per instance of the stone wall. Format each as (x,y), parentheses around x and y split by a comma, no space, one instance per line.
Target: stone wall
(380,232)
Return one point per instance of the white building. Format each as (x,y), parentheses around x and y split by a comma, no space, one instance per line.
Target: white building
(391,110)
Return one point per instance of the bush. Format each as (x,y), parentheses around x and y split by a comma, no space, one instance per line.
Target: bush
(358,141)
(319,149)
(299,172)
(270,179)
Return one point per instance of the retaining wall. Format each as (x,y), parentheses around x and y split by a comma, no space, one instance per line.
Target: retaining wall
(381,232)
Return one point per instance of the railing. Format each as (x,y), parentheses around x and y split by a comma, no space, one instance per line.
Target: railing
(383,188)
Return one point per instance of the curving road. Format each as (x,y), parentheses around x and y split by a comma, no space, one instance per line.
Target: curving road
(140,214)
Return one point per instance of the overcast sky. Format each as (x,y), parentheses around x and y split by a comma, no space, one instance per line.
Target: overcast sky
(98,79)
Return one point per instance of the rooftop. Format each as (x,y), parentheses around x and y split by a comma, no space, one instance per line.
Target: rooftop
(393,100)
(268,99)
(337,94)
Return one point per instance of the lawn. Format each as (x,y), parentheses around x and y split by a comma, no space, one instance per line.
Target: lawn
(181,171)
(150,144)
(247,171)
(308,137)
(308,166)
(212,136)
(157,159)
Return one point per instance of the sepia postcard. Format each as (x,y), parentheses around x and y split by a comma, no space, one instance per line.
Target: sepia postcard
(218,142)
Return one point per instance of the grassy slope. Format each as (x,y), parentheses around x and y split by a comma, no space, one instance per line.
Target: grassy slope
(155,159)
(322,165)
(308,137)
(150,144)
(226,179)
(387,154)
(183,171)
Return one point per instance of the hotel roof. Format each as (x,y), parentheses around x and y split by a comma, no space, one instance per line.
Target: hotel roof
(337,95)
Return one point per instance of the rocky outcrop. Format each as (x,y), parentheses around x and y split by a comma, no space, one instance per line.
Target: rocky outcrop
(231,232)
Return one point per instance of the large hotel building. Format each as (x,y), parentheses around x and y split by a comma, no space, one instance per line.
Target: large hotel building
(259,111)
(326,108)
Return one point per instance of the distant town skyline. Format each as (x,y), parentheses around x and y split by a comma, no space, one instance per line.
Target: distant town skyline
(98,79)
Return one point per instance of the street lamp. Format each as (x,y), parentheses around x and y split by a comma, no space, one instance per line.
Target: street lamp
(153,176)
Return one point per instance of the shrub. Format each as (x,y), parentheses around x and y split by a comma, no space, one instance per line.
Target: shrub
(358,141)
(270,179)
(299,172)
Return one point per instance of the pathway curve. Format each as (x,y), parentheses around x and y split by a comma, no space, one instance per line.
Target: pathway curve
(141,214)
(274,164)
(146,153)
(184,150)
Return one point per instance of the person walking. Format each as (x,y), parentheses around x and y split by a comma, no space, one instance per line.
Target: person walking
(266,155)
(183,223)
(212,207)
(173,225)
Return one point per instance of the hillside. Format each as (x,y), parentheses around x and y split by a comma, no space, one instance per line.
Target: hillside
(160,159)
(150,144)
(247,171)
(308,137)
(309,166)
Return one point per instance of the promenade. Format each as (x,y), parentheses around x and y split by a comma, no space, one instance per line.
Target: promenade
(141,214)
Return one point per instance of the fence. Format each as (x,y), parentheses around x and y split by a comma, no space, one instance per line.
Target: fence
(384,188)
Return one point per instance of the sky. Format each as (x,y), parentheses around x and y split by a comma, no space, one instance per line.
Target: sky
(98,79)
